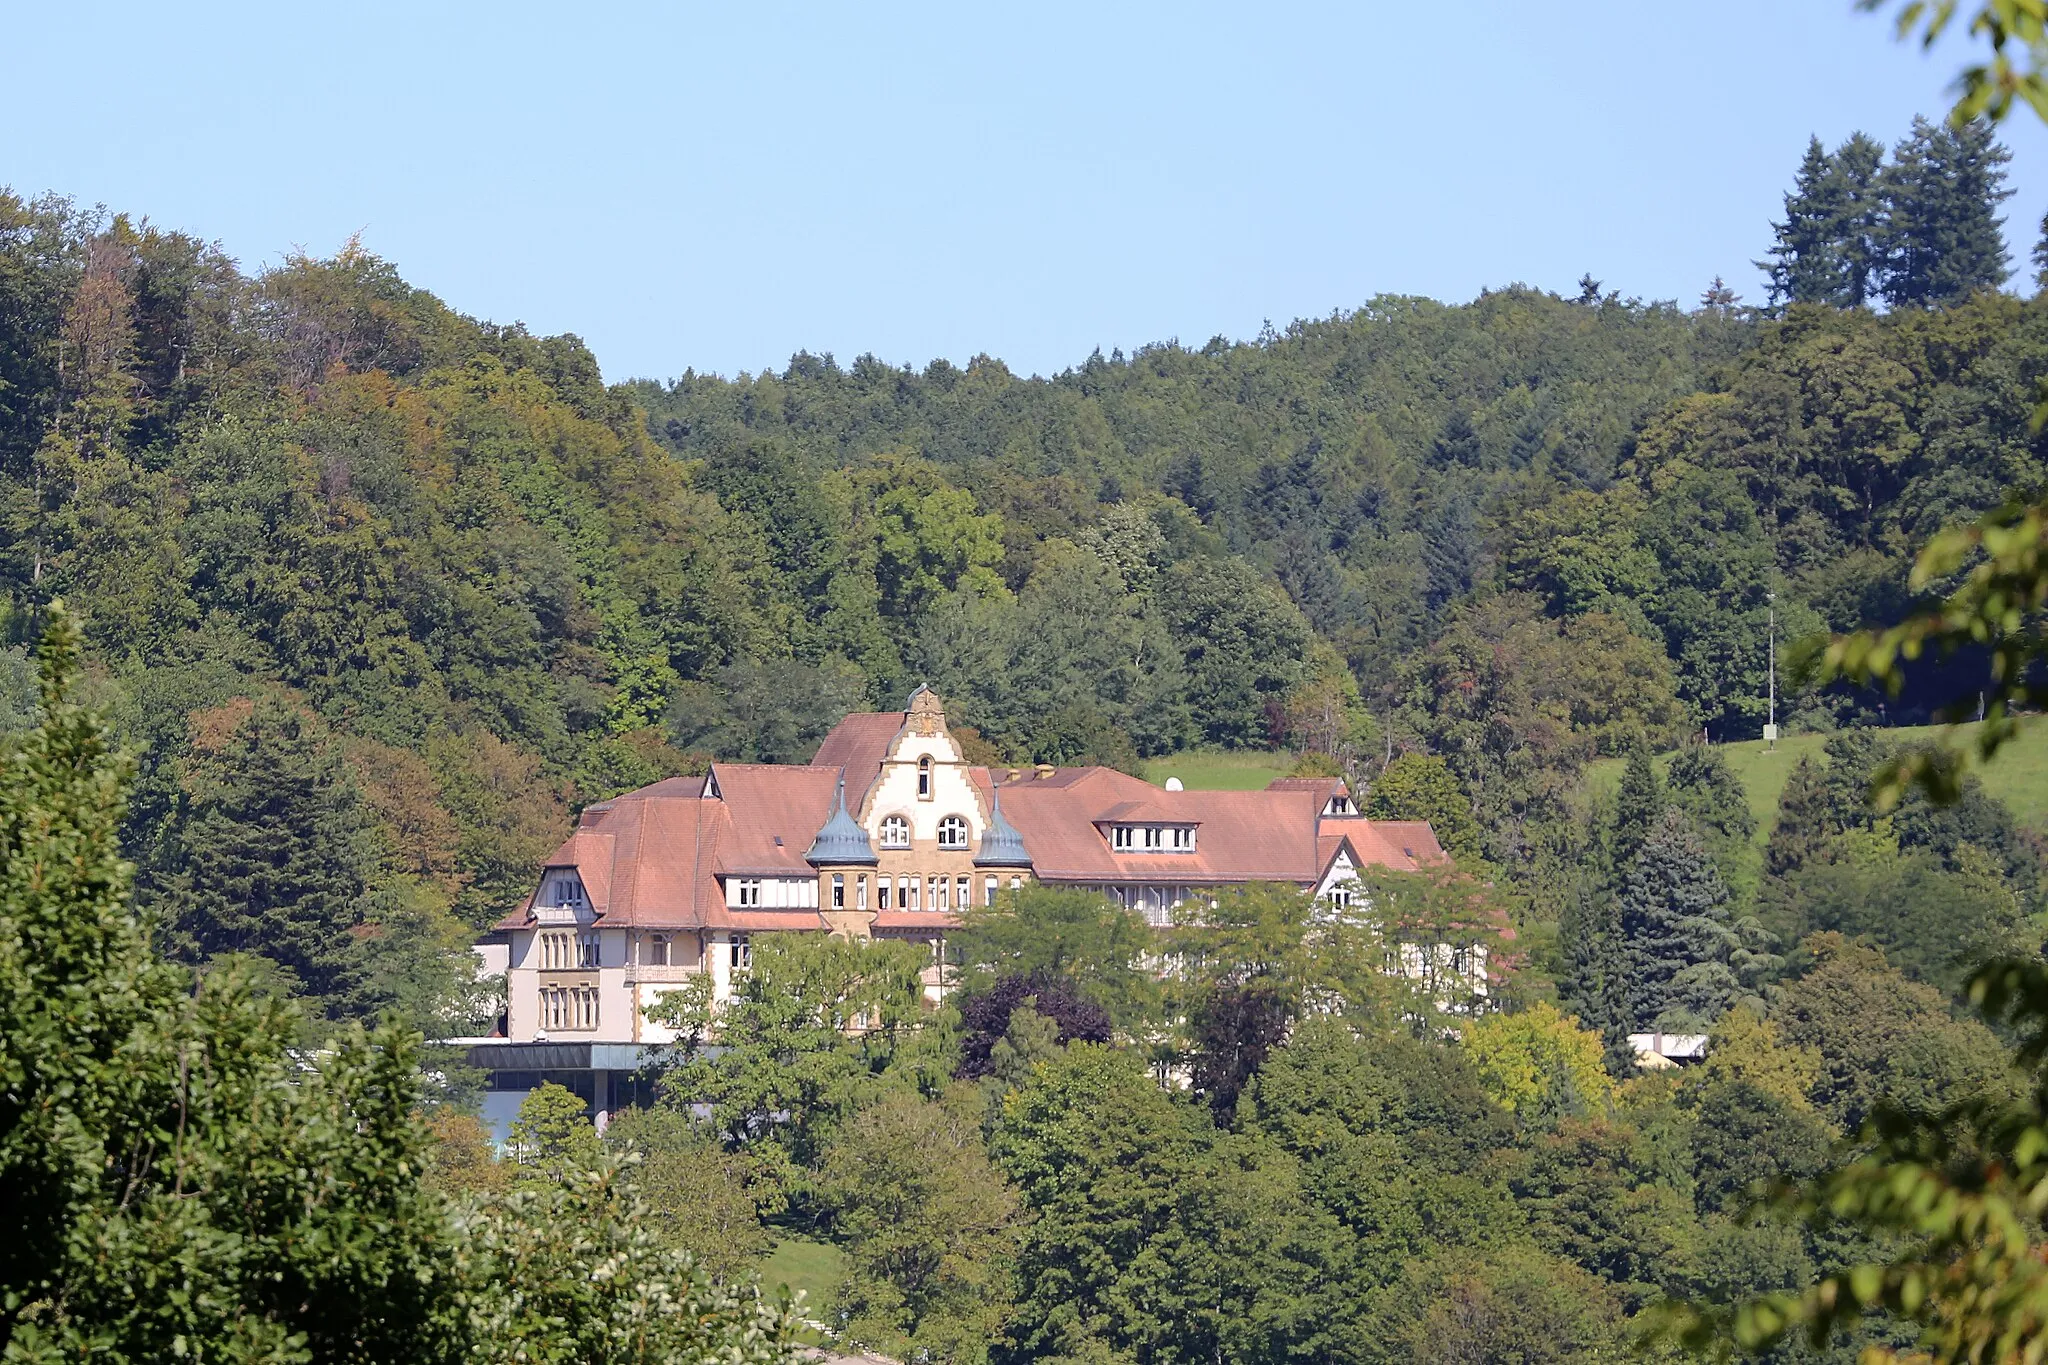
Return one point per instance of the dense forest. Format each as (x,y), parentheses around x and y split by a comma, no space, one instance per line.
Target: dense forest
(377,595)
(381,593)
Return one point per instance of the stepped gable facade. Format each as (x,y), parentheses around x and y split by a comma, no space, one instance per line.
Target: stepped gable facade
(888,832)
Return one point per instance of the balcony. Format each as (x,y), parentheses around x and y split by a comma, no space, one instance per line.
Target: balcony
(641,973)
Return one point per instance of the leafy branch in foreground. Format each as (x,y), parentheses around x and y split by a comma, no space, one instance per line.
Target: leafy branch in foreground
(2018,33)
(1998,608)
(1961,1191)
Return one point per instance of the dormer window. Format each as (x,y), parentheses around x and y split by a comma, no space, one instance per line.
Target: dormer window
(1340,804)
(1152,838)
(895,832)
(952,832)
(563,891)
(924,778)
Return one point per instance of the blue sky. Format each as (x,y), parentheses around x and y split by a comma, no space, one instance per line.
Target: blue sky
(719,186)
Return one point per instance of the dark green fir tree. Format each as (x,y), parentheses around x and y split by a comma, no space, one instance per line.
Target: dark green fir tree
(277,853)
(1806,264)
(1637,806)
(1942,236)
(1802,825)
(2041,258)
(1676,931)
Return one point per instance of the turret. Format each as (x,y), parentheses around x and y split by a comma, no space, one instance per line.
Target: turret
(842,842)
(1001,844)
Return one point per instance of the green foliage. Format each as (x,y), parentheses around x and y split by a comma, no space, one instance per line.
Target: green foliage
(1676,933)
(929,1227)
(1420,787)
(1087,938)
(791,1064)
(553,1133)
(1539,1064)
(697,1194)
(181,1182)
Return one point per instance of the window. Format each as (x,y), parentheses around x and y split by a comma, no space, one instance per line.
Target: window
(1155,838)
(881,893)
(586,950)
(563,891)
(988,891)
(924,778)
(1122,838)
(895,832)
(838,890)
(938,893)
(1183,840)
(655,953)
(1340,804)
(569,1008)
(952,832)
(750,892)
(960,893)
(1016,883)
(742,953)
(557,952)
(860,891)
(911,900)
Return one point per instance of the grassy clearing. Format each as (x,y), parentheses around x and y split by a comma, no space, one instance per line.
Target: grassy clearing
(1214,770)
(798,1263)
(2018,776)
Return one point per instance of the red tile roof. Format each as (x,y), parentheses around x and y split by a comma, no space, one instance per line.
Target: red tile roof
(654,857)
(859,744)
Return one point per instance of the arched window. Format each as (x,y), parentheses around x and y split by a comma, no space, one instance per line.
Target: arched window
(895,832)
(952,832)
(924,778)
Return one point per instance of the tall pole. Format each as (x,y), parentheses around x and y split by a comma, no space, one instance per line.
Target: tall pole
(1771,728)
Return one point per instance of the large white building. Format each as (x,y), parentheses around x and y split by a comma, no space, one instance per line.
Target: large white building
(888,832)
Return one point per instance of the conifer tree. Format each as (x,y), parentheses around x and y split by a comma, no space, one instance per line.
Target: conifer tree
(1806,265)
(277,854)
(1942,236)
(1830,247)
(2041,257)
(1802,820)
(1674,925)
(1858,170)
(1637,806)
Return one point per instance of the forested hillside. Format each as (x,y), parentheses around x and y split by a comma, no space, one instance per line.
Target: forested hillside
(381,593)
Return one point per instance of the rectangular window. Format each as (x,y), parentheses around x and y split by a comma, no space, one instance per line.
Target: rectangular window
(838,890)
(1120,838)
(1183,838)
(938,893)
(657,951)
(860,891)
(912,900)
(586,950)
(881,893)
(1154,836)
(742,953)
(750,892)
(1016,883)
(960,885)
(988,891)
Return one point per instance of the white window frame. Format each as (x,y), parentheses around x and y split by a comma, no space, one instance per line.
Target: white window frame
(924,778)
(1123,838)
(954,832)
(740,952)
(895,832)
